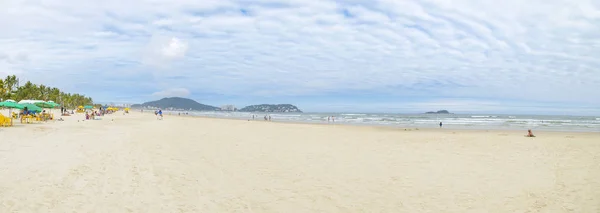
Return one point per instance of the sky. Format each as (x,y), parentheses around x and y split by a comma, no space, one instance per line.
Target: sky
(471,56)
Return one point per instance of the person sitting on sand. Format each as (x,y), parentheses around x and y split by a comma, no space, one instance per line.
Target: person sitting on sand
(529,134)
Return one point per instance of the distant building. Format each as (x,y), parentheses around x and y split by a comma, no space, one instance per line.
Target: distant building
(228,108)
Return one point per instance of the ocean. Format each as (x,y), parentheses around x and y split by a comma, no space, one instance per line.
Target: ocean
(452,121)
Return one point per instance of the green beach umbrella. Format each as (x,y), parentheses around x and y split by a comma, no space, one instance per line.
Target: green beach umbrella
(88,107)
(32,107)
(45,104)
(12,105)
(55,104)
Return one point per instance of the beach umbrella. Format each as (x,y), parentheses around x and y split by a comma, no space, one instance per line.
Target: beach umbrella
(53,103)
(11,105)
(45,104)
(88,107)
(32,107)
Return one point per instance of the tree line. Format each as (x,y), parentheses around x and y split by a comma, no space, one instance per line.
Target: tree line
(10,89)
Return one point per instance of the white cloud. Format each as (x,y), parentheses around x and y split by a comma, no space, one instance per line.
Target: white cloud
(534,51)
(163,50)
(173,92)
(175,48)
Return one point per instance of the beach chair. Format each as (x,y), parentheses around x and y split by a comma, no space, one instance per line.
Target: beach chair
(2,120)
(5,121)
(40,117)
(26,118)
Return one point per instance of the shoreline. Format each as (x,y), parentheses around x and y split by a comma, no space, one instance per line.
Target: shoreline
(390,127)
(382,127)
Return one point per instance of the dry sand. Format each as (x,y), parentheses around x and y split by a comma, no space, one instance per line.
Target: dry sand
(135,163)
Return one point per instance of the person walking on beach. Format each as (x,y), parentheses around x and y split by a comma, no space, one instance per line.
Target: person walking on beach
(440,124)
(269,117)
(159,115)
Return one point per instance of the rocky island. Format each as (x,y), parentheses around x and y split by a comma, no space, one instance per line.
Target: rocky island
(439,112)
(271,108)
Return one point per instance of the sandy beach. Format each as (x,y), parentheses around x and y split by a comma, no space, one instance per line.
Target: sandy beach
(136,163)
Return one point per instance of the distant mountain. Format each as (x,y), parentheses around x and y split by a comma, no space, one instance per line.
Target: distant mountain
(176,103)
(271,108)
(439,112)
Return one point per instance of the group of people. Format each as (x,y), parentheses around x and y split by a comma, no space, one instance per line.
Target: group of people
(26,111)
(65,112)
(331,119)
(92,115)
(267,117)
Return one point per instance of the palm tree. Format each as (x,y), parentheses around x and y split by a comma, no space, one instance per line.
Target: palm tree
(43,93)
(9,89)
(10,85)
(2,90)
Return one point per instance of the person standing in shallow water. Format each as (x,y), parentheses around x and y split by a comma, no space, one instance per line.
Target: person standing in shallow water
(440,124)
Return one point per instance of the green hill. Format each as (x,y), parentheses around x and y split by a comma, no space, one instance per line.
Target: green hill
(176,103)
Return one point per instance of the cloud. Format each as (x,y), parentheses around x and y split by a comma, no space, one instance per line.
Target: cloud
(173,92)
(163,50)
(528,52)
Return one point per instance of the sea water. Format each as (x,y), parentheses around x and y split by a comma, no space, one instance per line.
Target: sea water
(453,121)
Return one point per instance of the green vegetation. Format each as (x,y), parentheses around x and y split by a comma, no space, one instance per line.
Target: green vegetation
(30,91)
